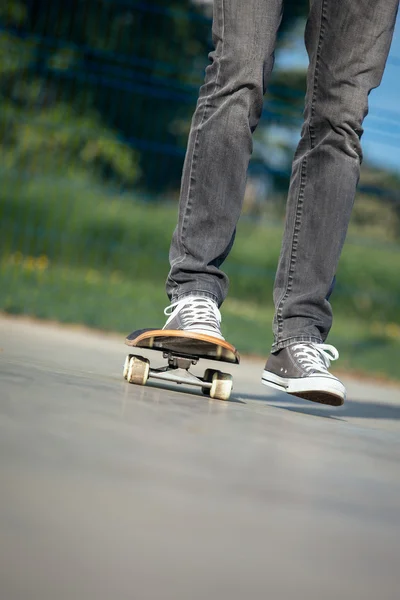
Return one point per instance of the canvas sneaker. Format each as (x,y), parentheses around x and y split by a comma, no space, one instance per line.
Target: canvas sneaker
(197,314)
(301,369)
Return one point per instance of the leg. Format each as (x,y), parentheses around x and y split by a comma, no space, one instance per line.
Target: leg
(347,43)
(220,145)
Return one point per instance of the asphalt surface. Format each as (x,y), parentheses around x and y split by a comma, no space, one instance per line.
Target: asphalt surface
(114,491)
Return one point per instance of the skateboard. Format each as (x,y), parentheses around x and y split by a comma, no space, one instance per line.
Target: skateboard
(181,350)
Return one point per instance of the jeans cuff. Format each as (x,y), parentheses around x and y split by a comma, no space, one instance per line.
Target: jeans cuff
(279,345)
(197,293)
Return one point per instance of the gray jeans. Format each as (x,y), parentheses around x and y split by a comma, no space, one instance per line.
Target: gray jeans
(347,42)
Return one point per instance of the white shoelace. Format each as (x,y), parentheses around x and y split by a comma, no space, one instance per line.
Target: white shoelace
(315,356)
(195,310)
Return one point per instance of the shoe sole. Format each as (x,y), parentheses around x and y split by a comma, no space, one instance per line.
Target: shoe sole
(315,390)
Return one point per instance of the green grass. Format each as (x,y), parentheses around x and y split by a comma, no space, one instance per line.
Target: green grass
(76,252)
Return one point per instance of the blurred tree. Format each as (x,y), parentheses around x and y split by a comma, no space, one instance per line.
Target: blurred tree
(41,130)
(133,67)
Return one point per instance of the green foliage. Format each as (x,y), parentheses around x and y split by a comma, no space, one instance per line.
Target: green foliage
(42,144)
(40,132)
(135,67)
(13,12)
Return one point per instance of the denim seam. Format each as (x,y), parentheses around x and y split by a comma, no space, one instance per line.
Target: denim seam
(303,181)
(293,253)
(196,141)
(316,73)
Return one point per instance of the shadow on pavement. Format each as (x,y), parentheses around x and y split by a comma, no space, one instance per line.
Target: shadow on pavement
(350,409)
(191,390)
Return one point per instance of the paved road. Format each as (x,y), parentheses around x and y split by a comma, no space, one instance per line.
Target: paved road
(112,491)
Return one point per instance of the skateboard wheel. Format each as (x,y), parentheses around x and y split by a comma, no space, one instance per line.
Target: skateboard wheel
(208,376)
(222,384)
(138,371)
(126,365)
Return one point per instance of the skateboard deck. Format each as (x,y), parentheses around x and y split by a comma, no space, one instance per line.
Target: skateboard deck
(181,350)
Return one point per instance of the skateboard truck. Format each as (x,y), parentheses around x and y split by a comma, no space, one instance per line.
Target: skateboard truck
(179,362)
(178,370)
(214,383)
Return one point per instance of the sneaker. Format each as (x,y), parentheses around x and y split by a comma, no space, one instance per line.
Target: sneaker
(301,369)
(197,314)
